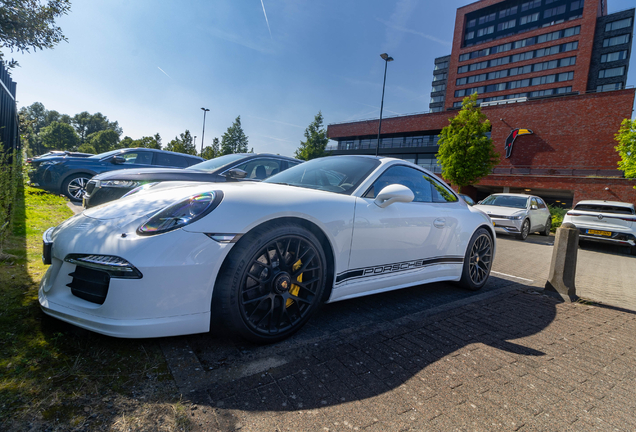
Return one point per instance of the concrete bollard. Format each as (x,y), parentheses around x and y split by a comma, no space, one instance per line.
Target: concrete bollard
(560,282)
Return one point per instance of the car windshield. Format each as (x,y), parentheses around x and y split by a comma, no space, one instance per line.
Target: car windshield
(105,155)
(506,201)
(339,174)
(216,163)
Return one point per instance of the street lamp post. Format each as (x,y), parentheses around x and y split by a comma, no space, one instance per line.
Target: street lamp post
(386,59)
(205,110)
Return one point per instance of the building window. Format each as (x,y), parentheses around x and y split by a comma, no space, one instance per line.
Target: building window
(554,11)
(609,87)
(439,87)
(530,5)
(460,81)
(462,69)
(443,65)
(578,4)
(485,31)
(470,35)
(506,25)
(618,55)
(437,99)
(617,40)
(529,18)
(436,109)
(507,12)
(440,77)
(464,57)
(487,18)
(627,22)
(613,72)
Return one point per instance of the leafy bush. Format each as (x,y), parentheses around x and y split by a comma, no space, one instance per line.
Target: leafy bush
(10,177)
(557,213)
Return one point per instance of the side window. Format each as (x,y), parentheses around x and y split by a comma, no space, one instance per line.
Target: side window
(425,188)
(260,169)
(143,158)
(533,202)
(164,159)
(541,203)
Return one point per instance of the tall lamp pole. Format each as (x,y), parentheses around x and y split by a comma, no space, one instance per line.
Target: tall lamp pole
(386,59)
(205,110)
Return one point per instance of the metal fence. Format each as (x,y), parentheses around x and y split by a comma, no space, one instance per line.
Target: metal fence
(9,135)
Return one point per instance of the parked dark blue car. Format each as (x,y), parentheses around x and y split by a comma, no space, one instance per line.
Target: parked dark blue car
(69,175)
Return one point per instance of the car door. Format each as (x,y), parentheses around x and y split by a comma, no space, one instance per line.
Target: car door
(403,243)
(536,215)
(544,212)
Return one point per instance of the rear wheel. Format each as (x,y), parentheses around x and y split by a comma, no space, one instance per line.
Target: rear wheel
(525,230)
(75,186)
(548,226)
(272,283)
(478,260)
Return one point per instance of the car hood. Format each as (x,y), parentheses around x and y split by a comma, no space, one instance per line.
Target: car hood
(499,210)
(159,174)
(164,194)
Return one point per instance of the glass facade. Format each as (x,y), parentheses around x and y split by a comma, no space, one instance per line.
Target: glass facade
(514,17)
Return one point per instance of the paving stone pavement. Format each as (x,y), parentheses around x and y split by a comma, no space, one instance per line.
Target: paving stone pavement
(516,361)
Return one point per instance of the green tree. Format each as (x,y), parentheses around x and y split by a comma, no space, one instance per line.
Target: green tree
(29,24)
(148,142)
(626,148)
(182,144)
(86,148)
(59,136)
(104,140)
(316,140)
(234,139)
(210,152)
(465,152)
(87,124)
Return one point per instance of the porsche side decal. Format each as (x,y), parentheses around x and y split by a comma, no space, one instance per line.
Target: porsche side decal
(395,267)
(512,137)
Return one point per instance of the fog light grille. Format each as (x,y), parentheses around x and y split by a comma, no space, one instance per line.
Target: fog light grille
(89,284)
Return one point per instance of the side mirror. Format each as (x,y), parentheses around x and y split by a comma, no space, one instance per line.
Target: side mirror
(534,207)
(118,160)
(392,194)
(236,173)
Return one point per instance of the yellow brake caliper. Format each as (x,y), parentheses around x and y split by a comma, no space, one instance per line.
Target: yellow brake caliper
(295,289)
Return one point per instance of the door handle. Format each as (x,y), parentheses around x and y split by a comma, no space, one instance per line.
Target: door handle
(439,222)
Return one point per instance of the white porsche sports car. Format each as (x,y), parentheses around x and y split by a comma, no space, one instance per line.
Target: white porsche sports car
(259,258)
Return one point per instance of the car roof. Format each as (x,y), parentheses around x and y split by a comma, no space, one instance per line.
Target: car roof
(515,194)
(161,151)
(609,203)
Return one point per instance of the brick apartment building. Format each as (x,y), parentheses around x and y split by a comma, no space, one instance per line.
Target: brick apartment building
(556,67)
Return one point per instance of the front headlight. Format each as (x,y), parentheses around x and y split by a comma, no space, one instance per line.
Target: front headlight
(181,213)
(117,183)
(517,217)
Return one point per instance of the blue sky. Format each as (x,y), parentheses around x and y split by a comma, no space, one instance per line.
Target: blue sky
(151,65)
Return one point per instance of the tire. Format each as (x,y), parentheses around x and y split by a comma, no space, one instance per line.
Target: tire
(477,261)
(74,186)
(548,226)
(271,283)
(525,230)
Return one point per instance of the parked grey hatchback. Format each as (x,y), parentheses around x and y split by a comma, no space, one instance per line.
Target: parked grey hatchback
(517,214)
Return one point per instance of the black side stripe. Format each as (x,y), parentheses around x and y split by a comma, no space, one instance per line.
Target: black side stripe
(396,267)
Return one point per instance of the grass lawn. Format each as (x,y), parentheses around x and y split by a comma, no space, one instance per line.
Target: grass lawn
(54,376)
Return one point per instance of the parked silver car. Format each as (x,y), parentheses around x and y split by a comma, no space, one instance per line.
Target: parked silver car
(517,214)
(611,222)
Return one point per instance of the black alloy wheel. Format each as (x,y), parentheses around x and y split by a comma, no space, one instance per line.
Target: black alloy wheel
(478,260)
(525,230)
(75,186)
(277,280)
(547,228)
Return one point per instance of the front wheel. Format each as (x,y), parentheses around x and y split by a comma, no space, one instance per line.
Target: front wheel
(477,261)
(272,283)
(525,230)
(75,186)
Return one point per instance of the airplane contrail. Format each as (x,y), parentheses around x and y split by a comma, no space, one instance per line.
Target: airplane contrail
(164,72)
(266,20)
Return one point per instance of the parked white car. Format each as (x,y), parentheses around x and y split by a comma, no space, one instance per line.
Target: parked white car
(610,222)
(260,257)
(517,214)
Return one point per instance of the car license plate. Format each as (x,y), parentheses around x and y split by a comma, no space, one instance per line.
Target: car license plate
(602,233)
